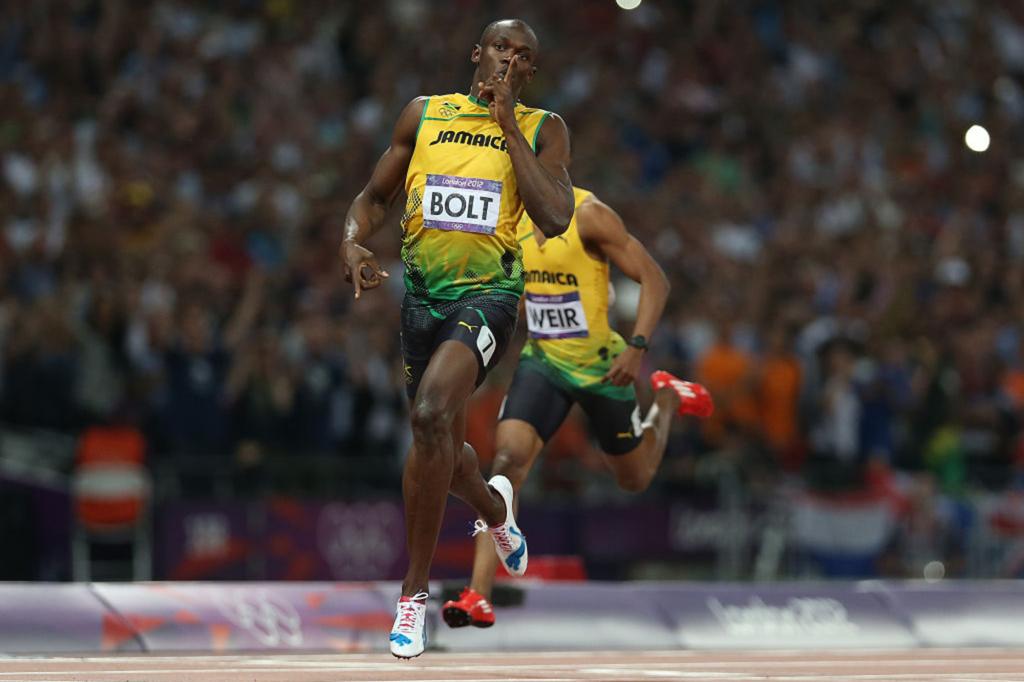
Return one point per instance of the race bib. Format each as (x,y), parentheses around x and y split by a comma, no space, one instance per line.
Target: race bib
(461,204)
(556,317)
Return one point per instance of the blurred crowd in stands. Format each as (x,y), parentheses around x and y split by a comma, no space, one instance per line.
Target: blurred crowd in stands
(848,278)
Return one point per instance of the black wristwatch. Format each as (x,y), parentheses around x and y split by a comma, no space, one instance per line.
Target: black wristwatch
(638,342)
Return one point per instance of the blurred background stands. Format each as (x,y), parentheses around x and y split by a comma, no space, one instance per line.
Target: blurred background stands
(848,277)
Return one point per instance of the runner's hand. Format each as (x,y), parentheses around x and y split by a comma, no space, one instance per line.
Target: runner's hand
(625,367)
(502,103)
(360,260)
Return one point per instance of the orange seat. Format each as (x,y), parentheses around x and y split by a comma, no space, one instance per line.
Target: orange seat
(110,484)
(111,444)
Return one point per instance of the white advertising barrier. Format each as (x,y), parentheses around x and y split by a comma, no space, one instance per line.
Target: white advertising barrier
(59,618)
(345,617)
(786,616)
(582,616)
(982,613)
(224,617)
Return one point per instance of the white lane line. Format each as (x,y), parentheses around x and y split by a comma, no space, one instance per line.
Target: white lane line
(183,672)
(432,661)
(644,653)
(617,671)
(924,677)
(697,674)
(260,664)
(609,673)
(750,657)
(816,663)
(403,679)
(617,675)
(651,669)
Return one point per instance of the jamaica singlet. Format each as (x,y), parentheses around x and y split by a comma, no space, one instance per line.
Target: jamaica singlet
(567,309)
(463,203)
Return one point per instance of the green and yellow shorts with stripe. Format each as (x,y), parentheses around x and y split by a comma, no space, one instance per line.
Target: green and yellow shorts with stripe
(542,395)
(484,323)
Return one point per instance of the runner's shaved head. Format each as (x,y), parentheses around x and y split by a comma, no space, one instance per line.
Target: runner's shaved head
(510,24)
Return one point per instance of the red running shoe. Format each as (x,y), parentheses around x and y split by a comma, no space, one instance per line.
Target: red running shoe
(693,398)
(470,609)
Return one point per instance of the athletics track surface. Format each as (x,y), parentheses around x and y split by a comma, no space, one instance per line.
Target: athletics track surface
(917,665)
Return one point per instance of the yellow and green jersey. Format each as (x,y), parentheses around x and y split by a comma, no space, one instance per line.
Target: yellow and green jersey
(567,308)
(463,203)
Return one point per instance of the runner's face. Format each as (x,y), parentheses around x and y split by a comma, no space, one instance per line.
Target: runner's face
(505,48)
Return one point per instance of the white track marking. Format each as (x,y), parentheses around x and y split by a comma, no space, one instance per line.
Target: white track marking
(630,670)
(895,676)
(617,675)
(181,671)
(817,663)
(377,657)
(403,679)
(264,664)
(949,665)
(639,672)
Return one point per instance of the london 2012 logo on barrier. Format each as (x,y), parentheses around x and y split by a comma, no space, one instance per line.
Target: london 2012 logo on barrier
(360,540)
(799,616)
(271,620)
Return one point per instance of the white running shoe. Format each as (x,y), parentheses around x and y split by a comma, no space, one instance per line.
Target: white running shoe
(509,542)
(408,634)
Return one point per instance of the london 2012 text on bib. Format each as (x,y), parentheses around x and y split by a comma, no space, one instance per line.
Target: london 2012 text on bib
(556,317)
(461,204)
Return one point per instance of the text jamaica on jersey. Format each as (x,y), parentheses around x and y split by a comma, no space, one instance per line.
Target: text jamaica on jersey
(478,140)
(548,277)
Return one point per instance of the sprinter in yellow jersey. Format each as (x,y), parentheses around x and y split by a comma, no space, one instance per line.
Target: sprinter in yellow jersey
(572,355)
(471,165)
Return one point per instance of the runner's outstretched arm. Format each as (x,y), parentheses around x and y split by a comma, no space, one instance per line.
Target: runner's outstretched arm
(366,214)
(604,233)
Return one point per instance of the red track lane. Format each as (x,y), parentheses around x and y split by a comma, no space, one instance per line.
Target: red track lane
(922,665)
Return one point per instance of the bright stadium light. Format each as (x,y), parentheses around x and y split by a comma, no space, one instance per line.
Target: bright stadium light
(628,4)
(977,138)
(934,571)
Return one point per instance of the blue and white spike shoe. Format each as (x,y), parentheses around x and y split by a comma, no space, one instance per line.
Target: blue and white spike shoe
(409,634)
(509,541)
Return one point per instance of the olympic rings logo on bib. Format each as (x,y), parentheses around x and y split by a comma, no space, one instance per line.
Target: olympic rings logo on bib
(461,204)
(556,317)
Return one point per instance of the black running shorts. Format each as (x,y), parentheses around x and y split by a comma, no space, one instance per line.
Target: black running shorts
(483,323)
(537,397)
